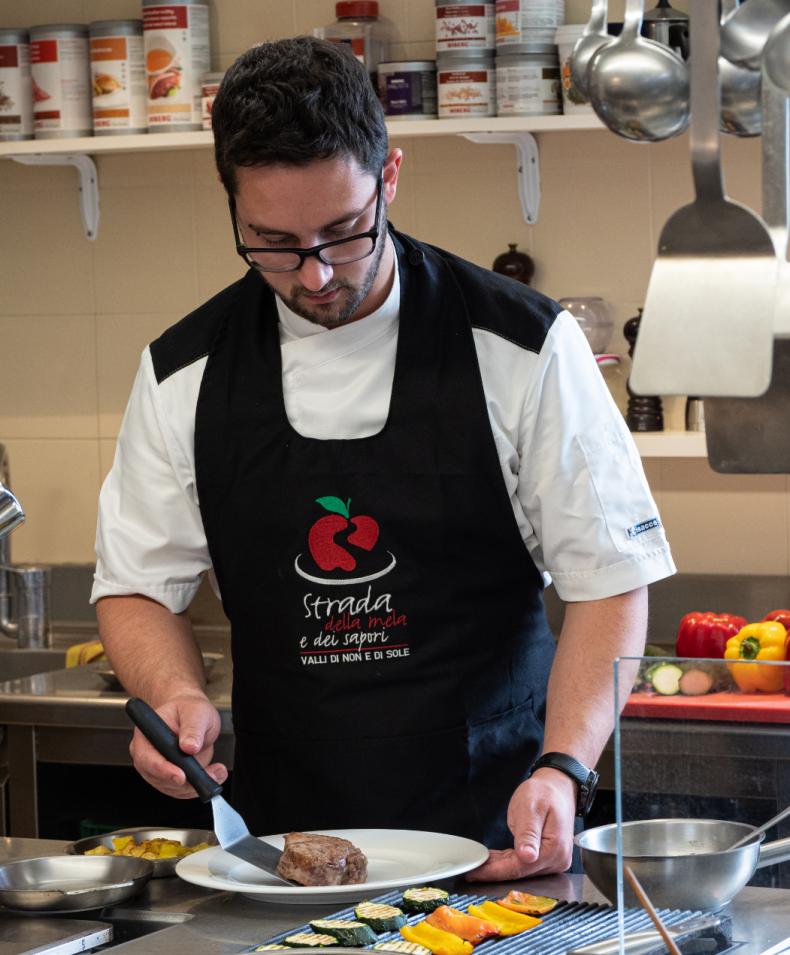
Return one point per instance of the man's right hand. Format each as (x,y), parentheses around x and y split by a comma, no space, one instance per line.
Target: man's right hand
(197,724)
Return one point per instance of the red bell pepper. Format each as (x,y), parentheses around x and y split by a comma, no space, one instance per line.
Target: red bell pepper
(783,617)
(705,634)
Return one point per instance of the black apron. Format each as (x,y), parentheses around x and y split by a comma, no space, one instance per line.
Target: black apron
(390,648)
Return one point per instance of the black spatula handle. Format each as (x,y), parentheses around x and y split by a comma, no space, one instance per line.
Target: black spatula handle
(165,741)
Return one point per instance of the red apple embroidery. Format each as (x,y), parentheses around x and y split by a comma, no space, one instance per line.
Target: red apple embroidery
(326,552)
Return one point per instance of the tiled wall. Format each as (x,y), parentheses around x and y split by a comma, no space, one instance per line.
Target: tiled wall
(74,315)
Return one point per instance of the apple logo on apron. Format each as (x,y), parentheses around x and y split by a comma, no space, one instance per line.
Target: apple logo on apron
(339,542)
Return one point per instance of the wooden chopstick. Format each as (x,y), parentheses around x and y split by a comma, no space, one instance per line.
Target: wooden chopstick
(647,905)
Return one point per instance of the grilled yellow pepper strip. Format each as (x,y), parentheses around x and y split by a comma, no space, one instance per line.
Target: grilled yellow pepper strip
(436,939)
(757,641)
(508,923)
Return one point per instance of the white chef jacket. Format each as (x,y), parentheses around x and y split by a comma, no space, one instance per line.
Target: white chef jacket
(570,466)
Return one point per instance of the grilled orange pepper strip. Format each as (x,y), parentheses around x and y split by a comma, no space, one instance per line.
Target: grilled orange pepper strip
(436,939)
(459,923)
(526,903)
(508,923)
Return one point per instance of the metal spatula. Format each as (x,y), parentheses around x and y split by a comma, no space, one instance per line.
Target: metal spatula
(707,326)
(232,833)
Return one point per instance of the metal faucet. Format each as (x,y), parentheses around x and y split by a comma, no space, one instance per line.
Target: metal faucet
(30,601)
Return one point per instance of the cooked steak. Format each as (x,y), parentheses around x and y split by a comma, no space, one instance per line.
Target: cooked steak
(321,860)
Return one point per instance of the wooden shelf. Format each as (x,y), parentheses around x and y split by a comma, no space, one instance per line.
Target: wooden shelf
(101,145)
(671,444)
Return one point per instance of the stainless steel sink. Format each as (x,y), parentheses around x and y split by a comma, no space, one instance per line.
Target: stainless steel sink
(16,663)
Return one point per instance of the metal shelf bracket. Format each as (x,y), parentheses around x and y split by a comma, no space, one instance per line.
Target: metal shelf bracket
(527,170)
(88,184)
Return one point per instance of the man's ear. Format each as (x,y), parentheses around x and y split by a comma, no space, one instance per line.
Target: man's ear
(390,174)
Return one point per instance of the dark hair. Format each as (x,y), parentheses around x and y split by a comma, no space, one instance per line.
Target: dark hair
(294,101)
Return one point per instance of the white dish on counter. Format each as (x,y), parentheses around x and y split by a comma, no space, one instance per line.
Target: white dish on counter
(397,858)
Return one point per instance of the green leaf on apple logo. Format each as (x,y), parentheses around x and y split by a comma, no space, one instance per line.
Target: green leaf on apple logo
(335,505)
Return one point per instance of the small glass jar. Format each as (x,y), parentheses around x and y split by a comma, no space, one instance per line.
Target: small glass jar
(359,26)
(592,314)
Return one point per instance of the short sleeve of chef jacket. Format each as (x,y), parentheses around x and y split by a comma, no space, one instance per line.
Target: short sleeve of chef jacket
(571,469)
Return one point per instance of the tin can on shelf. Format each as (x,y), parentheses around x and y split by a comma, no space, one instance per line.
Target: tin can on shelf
(16,86)
(209,86)
(61,81)
(466,85)
(527,21)
(118,77)
(464,26)
(528,84)
(407,89)
(176,43)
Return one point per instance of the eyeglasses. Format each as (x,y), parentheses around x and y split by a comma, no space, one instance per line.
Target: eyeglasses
(337,252)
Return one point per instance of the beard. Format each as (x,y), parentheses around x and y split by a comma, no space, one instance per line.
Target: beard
(347,302)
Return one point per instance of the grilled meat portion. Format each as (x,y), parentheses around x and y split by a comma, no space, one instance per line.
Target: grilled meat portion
(321,860)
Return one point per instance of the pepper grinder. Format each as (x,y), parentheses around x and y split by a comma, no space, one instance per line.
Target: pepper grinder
(517,265)
(645,412)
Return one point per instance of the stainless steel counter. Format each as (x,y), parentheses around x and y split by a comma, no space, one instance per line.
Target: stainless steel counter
(47,718)
(204,922)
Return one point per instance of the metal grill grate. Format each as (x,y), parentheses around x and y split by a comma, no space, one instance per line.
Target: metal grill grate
(568,926)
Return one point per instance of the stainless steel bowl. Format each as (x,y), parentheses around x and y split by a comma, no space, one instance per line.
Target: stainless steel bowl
(107,673)
(681,863)
(161,867)
(68,883)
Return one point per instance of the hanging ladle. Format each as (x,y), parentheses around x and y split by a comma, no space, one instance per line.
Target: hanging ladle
(638,87)
(740,92)
(745,30)
(592,39)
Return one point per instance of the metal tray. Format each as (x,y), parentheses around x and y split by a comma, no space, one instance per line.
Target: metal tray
(161,867)
(69,883)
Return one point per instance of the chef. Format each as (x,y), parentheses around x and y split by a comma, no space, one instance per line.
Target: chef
(381,454)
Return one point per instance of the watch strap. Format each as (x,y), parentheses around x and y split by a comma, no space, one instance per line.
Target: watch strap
(586,778)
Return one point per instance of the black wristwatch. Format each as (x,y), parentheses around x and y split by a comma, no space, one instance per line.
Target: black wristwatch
(586,778)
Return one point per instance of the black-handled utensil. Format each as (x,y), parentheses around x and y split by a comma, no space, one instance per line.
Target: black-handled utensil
(231,830)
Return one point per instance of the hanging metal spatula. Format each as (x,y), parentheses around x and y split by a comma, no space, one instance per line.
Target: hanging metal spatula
(751,435)
(707,326)
(231,831)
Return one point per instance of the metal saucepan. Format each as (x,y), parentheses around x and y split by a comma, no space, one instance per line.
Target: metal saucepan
(162,867)
(71,883)
(681,863)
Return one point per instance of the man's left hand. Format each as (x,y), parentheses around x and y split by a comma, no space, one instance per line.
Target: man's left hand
(541,817)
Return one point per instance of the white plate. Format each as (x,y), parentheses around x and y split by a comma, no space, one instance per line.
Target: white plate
(396,858)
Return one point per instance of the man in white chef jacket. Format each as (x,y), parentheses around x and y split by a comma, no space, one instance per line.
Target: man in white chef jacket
(381,454)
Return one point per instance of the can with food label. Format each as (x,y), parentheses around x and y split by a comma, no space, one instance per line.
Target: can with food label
(16,86)
(528,84)
(209,87)
(521,22)
(176,42)
(61,81)
(466,86)
(407,89)
(464,26)
(118,77)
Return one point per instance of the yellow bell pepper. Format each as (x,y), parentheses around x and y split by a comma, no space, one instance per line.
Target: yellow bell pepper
(757,641)
(508,923)
(436,939)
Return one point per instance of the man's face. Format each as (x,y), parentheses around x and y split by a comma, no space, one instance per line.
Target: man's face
(304,206)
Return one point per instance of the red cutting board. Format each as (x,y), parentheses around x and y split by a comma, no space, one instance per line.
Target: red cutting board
(735,707)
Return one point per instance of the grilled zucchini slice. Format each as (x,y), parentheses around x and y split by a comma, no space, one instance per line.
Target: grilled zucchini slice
(275,947)
(404,948)
(380,917)
(424,899)
(310,940)
(345,931)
